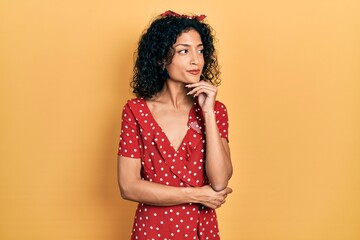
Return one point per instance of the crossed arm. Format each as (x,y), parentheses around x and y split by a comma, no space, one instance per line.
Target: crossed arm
(133,188)
(218,166)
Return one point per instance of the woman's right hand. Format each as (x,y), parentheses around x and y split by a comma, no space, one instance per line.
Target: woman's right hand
(206,196)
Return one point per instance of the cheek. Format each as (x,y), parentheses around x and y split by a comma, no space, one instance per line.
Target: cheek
(175,66)
(202,61)
(173,70)
(171,67)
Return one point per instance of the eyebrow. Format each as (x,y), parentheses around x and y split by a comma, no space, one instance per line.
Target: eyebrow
(188,45)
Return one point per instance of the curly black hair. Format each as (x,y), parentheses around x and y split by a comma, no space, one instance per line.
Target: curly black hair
(155,49)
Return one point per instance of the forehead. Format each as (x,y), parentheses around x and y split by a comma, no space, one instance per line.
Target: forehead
(191,37)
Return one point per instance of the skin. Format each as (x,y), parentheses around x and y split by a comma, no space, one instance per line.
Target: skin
(170,107)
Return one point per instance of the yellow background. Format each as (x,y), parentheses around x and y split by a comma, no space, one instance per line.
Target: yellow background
(291,82)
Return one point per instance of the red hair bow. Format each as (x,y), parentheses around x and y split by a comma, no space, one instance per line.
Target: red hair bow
(169,13)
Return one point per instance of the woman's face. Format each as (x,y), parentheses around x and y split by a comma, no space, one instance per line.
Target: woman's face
(188,61)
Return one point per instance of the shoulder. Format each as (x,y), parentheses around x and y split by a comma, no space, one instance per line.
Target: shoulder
(132,106)
(219,106)
(132,103)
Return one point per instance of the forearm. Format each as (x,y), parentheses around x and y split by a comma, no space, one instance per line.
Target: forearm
(156,194)
(161,195)
(218,162)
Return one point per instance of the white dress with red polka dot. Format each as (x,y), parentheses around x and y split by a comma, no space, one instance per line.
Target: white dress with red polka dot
(141,137)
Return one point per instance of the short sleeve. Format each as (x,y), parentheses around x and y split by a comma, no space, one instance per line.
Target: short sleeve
(129,139)
(222,120)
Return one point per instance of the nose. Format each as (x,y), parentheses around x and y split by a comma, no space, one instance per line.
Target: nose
(194,58)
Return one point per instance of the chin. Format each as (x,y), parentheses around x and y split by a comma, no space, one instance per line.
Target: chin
(195,80)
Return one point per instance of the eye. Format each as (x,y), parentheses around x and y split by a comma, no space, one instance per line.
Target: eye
(201,51)
(183,51)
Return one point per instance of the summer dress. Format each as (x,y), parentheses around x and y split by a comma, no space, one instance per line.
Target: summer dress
(141,137)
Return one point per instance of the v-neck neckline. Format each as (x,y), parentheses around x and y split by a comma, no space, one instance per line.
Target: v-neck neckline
(163,132)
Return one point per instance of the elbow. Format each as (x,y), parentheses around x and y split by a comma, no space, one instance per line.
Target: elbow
(220,183)
(219,186)
(125,192)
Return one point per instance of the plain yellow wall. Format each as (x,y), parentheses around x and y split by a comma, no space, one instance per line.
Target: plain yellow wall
(291,82)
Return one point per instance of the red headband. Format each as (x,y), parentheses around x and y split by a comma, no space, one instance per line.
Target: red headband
(169,13)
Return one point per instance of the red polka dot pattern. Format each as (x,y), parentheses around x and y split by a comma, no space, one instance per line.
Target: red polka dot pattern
(142,138)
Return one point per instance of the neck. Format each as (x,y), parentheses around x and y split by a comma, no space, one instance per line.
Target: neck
(174,93)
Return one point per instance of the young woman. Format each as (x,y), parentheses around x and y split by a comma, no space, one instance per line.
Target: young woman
(174,157)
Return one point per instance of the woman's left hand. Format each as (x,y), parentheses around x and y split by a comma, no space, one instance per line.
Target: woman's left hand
(206,94)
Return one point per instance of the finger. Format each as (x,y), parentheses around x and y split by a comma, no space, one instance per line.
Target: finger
(212,206)
(219,199)
(201,87)
(228,190)
(225,193)
(205,91)
(204,86)
(200,92)
(204,83)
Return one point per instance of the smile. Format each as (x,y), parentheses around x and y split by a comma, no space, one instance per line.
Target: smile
(194,72)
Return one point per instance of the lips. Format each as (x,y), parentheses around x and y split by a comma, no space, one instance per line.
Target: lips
(194,72)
